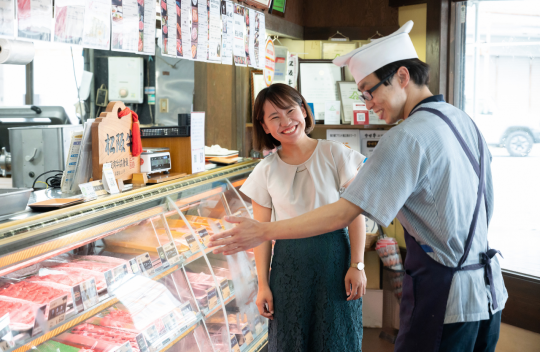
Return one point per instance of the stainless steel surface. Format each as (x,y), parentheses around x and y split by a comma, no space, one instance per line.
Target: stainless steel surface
(39,149)
(14,199)
(177,86)
(5,162)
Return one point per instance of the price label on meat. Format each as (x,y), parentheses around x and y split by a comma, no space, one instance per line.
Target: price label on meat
(225,289)
(170,321)
(234,344)
(172,253)
(57,311)
(211,294)
(164,261)
(39,321)
(203,234)
(6,336)
(126,347)
(151,335)
(248,336)
(186,309)
(134,266)
(116,277)
(192,243)
(145,264)
(89,294)
(141,342)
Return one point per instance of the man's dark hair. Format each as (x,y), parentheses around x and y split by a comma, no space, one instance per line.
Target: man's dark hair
(418,70)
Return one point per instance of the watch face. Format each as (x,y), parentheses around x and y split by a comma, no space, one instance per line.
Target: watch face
(360,266)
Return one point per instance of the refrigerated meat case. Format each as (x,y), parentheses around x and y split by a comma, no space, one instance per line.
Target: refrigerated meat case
(132,272)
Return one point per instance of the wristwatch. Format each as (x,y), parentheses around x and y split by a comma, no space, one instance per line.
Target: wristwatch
(359,266)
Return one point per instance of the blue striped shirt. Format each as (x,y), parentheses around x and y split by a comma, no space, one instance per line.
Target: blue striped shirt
(420,173)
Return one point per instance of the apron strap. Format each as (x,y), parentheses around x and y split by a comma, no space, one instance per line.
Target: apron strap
(480,172)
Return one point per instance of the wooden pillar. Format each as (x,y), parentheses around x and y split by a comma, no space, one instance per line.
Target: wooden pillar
(437,27)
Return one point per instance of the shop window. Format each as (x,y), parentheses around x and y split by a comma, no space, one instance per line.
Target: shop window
(12,85)
(500,80)
(54,79)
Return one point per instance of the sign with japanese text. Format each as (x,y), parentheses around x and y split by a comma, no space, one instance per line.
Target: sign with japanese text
(111,143)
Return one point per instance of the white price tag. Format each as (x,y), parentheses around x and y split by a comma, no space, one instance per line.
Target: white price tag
(57,311)
(109,181)
(88,191)
(6,336)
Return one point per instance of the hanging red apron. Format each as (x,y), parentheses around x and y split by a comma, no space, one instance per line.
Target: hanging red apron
(426,284)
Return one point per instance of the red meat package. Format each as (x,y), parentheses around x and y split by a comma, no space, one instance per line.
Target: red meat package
(21,313)
(33,292)
(71,277)
(104,334)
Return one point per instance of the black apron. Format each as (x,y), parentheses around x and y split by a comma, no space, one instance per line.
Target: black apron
(426,284)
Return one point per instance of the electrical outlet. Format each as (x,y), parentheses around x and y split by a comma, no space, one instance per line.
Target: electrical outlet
(164,105)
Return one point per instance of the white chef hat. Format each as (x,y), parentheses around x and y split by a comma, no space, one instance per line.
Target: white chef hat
(380,52)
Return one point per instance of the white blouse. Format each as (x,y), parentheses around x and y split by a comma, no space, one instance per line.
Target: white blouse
(292,190)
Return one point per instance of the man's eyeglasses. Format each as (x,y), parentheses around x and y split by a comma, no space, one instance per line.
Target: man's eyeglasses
(368,94)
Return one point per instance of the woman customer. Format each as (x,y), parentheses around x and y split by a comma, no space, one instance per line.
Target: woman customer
(313,297)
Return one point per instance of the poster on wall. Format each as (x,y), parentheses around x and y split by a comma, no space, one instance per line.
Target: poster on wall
(69,21)
(149,25)
(125,25)
(262,39)
(7,18)
(34,20)
(252,62)
(270,62)
(214,32)
(202,47)
(97,24)
(185,27)
(239,51)
(228,35)
(247,35)
(194,29)
(178,29)
(171,27)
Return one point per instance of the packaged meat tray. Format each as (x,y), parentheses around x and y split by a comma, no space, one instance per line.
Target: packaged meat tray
(71,277)
(34,292)
(21,313)
(101,259)
(82,332)
(88,265)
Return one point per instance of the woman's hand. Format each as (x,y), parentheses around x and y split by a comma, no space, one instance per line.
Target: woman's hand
(265,302)
(355,284)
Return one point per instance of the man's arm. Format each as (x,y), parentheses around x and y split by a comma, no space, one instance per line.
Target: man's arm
(250,233)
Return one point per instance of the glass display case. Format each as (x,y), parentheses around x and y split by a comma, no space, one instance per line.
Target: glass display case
(132,272)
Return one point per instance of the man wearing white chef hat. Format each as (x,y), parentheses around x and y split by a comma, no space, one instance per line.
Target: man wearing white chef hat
(433,172)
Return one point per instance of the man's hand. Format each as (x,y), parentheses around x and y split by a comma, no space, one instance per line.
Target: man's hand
(247,234)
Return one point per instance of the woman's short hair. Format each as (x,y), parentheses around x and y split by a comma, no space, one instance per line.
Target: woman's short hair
(281,96)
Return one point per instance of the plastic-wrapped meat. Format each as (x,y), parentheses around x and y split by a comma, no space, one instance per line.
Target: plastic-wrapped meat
(88,265)
(101,333)
(117,318)
(101,259)
(76,272)
(20,312)
(33,292)
(70,278)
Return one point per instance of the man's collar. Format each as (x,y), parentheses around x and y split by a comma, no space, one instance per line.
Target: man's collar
(432,99)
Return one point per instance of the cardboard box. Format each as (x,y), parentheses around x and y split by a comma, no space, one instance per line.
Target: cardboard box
(372,309)
(373,270)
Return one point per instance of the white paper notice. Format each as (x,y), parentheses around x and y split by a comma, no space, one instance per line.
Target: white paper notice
(125,25)
(69,21)
(97,24)
(171,28)
(34,19)
(202,47)
(228,35)
(197,142)
(149,24)
(239,51)
(7,18)
(214,34)
(262,40)
(318,84)
(186,29)
(332,112)
(253,60)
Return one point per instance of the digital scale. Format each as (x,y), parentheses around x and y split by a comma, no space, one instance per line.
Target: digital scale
(155,160)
